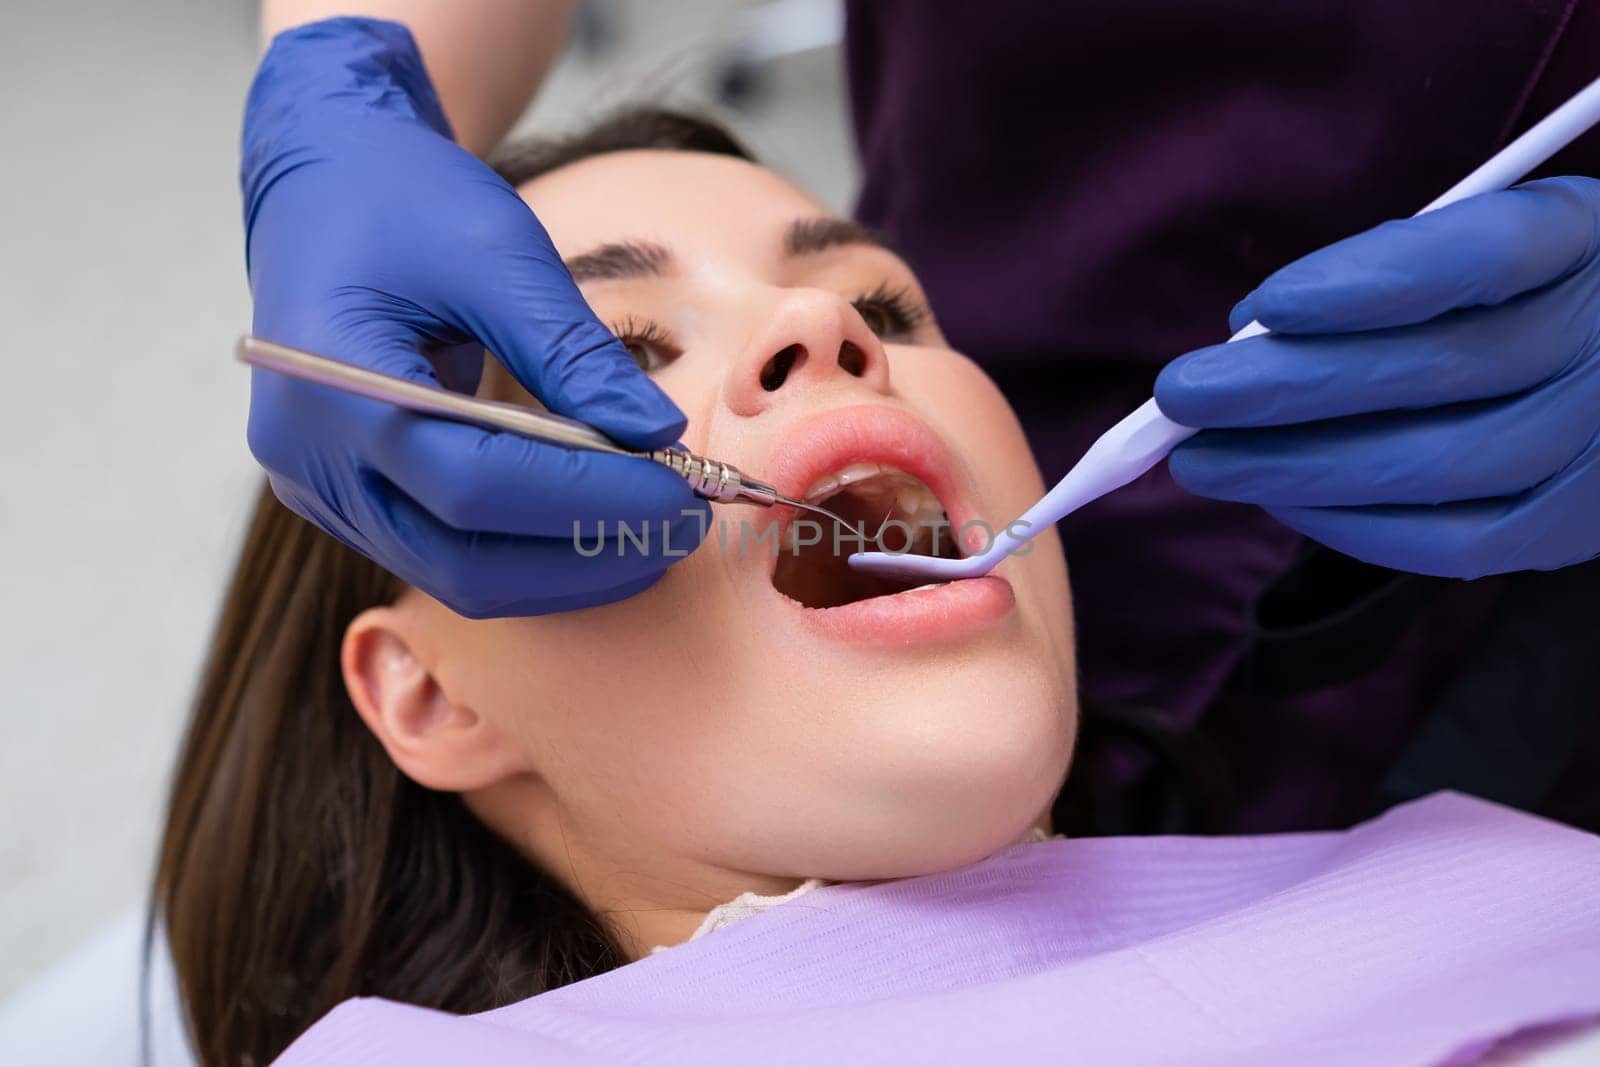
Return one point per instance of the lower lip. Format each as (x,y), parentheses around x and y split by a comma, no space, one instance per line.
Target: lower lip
(945,613)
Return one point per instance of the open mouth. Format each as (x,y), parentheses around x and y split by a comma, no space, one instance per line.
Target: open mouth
(883,508)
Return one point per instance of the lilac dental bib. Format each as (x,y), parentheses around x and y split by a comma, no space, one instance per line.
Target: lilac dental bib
(1421,937)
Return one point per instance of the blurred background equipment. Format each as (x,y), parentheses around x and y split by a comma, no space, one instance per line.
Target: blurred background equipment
(770,32)
(122,285)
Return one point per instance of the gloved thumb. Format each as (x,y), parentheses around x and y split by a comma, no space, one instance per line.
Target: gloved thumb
(1242,315)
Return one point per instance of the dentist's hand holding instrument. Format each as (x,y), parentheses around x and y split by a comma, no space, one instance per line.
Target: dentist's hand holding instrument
(372,234)
(1428,398)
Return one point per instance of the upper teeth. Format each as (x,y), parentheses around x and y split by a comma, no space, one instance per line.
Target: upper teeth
(830,484)
(906,493)
(887,491)
(917,502)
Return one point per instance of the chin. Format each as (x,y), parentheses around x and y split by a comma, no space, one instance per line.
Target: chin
(963,777)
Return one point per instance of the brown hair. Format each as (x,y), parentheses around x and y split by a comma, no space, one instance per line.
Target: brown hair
(299,867)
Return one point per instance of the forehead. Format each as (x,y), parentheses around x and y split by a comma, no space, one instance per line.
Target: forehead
(673,197)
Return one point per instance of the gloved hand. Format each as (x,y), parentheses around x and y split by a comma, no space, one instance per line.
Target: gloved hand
(1429,398)
(372,237)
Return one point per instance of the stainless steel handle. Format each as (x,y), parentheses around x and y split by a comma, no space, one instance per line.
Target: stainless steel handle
(488,414)
(709,478)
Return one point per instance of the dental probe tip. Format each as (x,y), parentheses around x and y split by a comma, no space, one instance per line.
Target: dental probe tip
(779,498)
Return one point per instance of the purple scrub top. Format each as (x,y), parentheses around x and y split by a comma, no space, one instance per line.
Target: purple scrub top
(1087,189)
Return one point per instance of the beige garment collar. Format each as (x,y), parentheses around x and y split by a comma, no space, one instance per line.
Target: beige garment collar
(747,904)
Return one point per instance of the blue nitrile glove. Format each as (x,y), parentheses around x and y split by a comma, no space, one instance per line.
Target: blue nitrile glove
(1429,399)
(372,237)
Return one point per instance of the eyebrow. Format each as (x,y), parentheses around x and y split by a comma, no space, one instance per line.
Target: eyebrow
(809,236)
(620,260)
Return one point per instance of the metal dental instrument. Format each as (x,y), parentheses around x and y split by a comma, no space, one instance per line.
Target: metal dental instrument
(709,478)
(1143,439)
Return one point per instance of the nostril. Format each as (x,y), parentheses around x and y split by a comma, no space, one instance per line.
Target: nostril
(852,360)
(776,371)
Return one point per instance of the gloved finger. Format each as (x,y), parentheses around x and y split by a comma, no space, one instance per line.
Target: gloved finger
(552,605)
(1482,250)
(488,575)
(1276,379)
(1443,541)
(315,511)
(1458,452)
(1467,539)
(538,324)
(681,540)
(489,482)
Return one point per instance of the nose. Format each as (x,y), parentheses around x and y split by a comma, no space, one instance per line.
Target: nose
(811,339)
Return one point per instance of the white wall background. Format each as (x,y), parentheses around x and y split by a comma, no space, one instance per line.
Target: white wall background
(123,469)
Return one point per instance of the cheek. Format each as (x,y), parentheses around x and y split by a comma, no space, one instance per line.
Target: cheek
(623,708)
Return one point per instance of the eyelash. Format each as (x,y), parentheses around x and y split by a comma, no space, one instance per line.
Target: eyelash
(649,334)
(902,313)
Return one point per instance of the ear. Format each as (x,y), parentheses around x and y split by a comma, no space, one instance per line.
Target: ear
(435,742)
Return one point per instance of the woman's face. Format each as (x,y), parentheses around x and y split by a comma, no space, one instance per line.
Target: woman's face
(714,726)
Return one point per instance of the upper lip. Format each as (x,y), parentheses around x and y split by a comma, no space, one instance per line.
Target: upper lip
(869,433)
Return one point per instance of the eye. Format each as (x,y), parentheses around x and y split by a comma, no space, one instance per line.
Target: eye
(892,314)
(650,346)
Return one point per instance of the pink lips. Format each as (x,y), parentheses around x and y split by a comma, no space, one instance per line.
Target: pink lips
(827,441)
(943,613)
